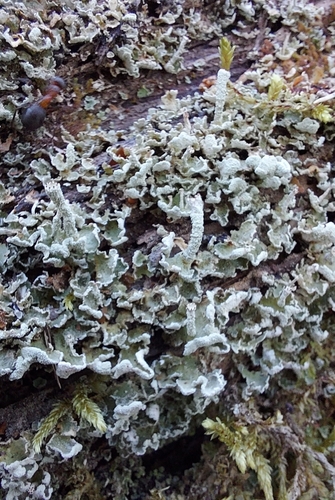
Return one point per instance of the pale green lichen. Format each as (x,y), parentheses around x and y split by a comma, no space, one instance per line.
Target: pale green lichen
(185,261)
(64,220)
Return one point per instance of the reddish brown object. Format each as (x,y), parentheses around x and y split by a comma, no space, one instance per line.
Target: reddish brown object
(33,117)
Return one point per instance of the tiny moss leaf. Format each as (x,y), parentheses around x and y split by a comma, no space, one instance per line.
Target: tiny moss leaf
(49,423)
(88,410)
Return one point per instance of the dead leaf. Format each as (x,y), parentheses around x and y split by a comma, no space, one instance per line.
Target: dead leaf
(5,146)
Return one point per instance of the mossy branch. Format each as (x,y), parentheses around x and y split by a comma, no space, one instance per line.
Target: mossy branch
(88,410)
(322,112)
(242,444)
(50,422)
(226,51)
(275,88)
(82,405)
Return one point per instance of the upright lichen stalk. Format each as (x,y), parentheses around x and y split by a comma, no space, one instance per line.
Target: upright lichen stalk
(190,319)
(64,211)
(196,206)
(226,52)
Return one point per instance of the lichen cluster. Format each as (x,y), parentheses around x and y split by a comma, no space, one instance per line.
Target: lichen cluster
(165,268)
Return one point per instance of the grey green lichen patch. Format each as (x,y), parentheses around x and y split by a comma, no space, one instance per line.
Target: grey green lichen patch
(190,261)
(116,37)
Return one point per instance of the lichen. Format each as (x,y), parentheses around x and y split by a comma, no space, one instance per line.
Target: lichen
(183,264)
